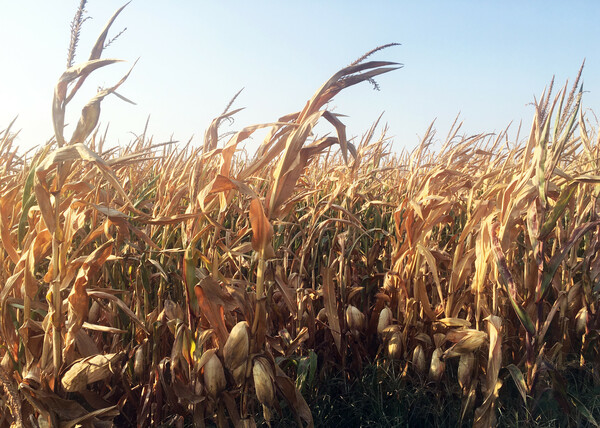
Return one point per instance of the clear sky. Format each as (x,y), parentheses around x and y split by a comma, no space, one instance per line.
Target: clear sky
(483,59)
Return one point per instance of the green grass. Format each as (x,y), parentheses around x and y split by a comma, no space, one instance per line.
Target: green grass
(380,397)
(575,403)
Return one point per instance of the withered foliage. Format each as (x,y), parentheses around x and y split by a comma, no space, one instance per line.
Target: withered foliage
(156,285)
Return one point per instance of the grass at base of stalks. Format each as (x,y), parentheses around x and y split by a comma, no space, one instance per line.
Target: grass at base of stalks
(550,408)
(381,397)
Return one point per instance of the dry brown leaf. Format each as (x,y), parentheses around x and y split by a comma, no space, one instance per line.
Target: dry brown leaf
(6,206)
(293,396)
(213,300)
(262,230)
(102,295)
(90,114)
(485,414)
(89,370)
(78,297)
(330,301)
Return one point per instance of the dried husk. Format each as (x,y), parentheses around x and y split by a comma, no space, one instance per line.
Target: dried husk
(439,339)
(581,321)
(355,319)
(455,322)
(239,374)
(235,351)
(467,341)
(437,366)
(88,370)
(262,374)
(214,377)
(471,342)
(385,319)
(418,359)
(138,362)
(394,346)
(465,370)
(389,331)
(94,312)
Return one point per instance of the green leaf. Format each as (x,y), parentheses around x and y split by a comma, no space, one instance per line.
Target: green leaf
(523,316)
(583,410)
(519,381)
(558,258)
(27,204)
(540,154)
(307,367)
(29,200)
(313,367)
(189,268)
(509,283)
(565,197)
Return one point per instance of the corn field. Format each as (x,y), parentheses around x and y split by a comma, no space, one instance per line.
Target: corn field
(163,285)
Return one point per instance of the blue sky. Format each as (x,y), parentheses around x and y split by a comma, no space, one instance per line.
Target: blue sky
(483,59)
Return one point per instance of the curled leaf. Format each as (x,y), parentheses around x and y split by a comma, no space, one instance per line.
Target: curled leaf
(262,230)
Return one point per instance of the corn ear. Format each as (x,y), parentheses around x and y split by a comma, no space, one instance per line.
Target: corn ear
(439,339)
(235,351)
(394,346)
(465,370)
(138,362)
(262,374)
(437,367)
(385,319)
(94,313)
(418,359)
(355,319)
(214,377)
(455,322)
(467,341)
(239,374)
(581,321)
